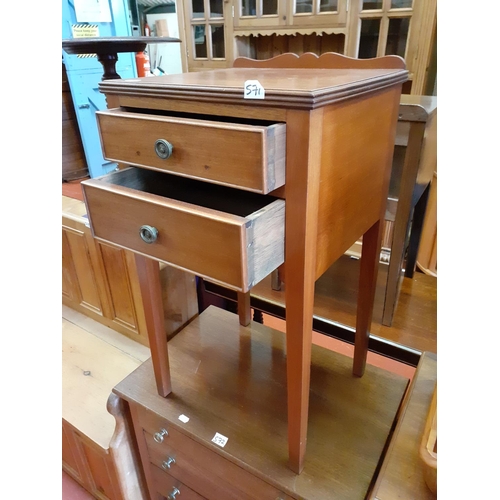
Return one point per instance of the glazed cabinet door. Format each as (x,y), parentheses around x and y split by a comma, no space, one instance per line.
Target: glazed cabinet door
(317,13)
(405,28)
(264,14)
(208,25)
(259,13)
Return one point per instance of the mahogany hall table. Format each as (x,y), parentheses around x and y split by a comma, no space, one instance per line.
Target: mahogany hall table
(108,48)
(229,187)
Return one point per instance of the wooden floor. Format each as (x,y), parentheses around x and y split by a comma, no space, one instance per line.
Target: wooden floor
(415,319)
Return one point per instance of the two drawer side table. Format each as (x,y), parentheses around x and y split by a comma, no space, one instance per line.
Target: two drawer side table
(295,177)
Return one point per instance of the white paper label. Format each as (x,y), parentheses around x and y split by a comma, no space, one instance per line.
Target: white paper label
(220,440)
(184,419)
(253,90)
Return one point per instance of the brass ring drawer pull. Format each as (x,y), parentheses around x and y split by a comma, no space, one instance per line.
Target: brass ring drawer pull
(148,234)
(163,149)
(167,463)
(174,493)
(158,436)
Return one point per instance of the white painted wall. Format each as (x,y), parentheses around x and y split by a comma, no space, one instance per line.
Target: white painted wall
(170,53)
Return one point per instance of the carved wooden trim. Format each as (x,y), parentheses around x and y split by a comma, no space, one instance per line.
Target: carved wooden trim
(328,60)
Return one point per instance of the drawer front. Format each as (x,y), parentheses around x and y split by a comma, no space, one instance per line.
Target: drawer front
(200,468)
(171,488)
(229,249)
(245,156)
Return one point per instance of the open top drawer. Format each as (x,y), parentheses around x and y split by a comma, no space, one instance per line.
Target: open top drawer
(231,237)
(247,154)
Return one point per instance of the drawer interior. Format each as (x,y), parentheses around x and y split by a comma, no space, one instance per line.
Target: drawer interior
(198,116)
(215,197)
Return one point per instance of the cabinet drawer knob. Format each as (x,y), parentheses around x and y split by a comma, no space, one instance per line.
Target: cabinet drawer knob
(168,462)
(174,493)
(163,149)
(149,234)
(158,436)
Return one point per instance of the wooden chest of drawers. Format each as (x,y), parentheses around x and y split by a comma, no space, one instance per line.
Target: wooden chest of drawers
(332,130)
(231,380)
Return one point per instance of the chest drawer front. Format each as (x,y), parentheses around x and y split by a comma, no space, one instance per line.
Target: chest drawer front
(237,248)
(241,155)
(171,488)
(200,468)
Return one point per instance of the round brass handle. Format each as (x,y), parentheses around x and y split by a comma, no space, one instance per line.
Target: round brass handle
(174,493)
(148,234)
(168,462)
(158,436)
(163,149)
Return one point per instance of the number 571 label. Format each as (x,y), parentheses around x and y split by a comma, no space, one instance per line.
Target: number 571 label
(253,90)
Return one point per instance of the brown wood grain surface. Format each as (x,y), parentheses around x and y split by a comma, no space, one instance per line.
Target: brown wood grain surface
(302,88)
(202,149)
(120,204)
(231,379)
(415,320)
(402,475)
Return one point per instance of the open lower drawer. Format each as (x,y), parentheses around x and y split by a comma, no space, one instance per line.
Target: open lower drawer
(225,235)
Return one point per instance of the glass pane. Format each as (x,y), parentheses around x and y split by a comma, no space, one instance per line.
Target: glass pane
(216,8)
(218,41)
(198,9)
(248,8)
(270,7)
(397,36)
(372,4)
(368,40)
(401,4)
(328,6)
(303,6)
(200,41)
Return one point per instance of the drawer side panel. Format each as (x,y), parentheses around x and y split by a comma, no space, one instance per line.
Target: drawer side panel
(266,241)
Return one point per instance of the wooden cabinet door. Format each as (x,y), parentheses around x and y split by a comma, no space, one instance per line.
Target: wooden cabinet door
(90,465)
(80,285)
(101,281)
(122,289)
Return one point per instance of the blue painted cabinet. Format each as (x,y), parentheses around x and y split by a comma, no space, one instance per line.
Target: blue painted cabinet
(85,73)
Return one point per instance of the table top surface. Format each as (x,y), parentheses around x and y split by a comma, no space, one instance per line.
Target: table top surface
(297,87)
(113,45)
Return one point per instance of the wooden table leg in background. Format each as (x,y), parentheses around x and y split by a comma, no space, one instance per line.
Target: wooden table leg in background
(417,224)
(408,181)
(149,281)
(370,256)
(244,310)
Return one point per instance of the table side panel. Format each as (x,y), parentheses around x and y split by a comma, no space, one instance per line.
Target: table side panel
(358,139)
